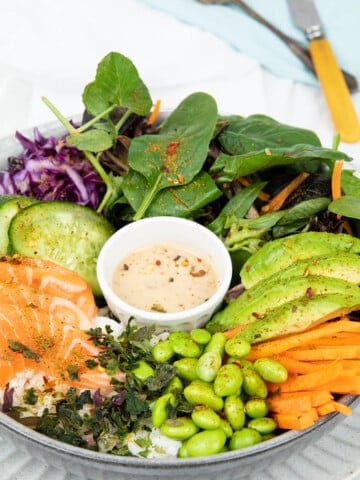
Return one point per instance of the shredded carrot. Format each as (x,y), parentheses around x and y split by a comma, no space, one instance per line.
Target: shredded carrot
(278,201)
(154,113)
(336,179)
(262,195)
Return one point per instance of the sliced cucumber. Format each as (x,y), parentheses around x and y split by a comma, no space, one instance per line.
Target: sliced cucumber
(63,232)
(10,205)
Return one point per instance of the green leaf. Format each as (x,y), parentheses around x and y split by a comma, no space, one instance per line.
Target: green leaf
(236,207)
(91,141)
(181,201)
(348,206)
(298,216)
(117,82)
(300,157)
(258,132)
(350,184)
(177,154)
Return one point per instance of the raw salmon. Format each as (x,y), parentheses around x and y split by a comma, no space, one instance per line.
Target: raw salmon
(43,324)
(49,278)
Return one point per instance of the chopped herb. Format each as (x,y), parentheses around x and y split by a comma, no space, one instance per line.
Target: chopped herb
(19,347)
(30,397)
(73,371)
(91,363)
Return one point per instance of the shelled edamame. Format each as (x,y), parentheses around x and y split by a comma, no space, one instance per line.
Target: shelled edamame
(225,393)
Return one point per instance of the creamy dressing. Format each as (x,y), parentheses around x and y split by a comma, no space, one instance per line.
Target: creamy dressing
(166,277)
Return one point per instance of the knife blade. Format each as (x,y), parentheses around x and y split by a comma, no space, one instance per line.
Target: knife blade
(331,79)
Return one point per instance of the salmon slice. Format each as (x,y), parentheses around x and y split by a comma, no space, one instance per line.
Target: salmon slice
(50,278)
(56,348)
(24,295)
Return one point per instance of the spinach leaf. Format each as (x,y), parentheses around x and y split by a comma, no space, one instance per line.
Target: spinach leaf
(182,201)
(348,205)
(236,207)
(257,132)
(93,140)
(300,157)
(117,82)
(177,154)
(298,216)
(350,184)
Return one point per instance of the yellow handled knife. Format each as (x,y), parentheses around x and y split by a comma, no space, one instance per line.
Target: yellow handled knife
(327,70)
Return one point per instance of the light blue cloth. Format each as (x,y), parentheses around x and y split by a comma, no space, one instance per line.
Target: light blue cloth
(340,19)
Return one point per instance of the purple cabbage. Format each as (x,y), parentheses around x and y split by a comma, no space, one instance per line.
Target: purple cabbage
(50,169)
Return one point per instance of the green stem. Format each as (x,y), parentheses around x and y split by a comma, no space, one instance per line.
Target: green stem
(122,120)
(104,177)
(92,122)
(59,115)
(147,200)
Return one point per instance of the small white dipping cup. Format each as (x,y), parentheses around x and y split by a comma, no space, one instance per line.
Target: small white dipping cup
(154,230)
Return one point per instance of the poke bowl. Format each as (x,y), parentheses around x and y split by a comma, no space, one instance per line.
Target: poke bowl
(88,463)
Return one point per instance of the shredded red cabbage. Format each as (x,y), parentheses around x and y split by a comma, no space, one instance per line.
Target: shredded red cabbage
(49,169)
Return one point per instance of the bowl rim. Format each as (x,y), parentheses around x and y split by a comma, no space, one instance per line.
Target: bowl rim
(58,447)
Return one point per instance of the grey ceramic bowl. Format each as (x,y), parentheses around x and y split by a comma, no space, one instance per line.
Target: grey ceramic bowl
(94,465)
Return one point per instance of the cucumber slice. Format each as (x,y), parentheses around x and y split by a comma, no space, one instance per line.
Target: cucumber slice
(63,232)
(10,205)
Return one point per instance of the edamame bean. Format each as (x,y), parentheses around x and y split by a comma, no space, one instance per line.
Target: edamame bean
(163,351)
(217,344)
(180,428)
(207,442)
(160,412)
(186,347)
(234,411)
(237,347)
(143,370)
(205,418)
(263,425)
(175,385)
(270,370)
(186,368)
(228,380)
(225,425)
(256,408)
(200,336)
(244,438)
(208,366)
(200,393)
(253,384)
(182,452)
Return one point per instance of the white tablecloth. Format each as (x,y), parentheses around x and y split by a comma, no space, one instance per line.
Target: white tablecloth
(52,48)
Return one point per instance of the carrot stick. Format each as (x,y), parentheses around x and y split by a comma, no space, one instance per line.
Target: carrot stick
(340,407)
(262,195)
(277,202)
(294,366)
(274,347)
(326,408)
(343,384)
(332,352)
(312,381)
(155,113)
(285,404)
(234,331)
(298,421)
(336,179)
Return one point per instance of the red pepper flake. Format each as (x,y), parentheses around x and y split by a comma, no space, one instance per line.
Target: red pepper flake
(294,308)
(247,268)
(158,263)
(309,292)
(257,315)
(172,147)
(180,178)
